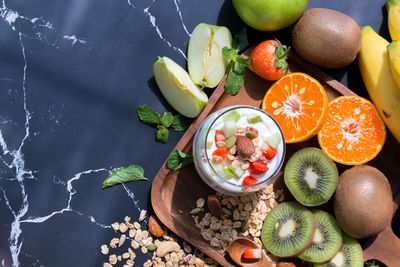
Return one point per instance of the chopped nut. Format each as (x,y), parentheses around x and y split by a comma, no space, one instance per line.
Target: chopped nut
(167,247)
(115,226)
(232,150)
(200,202)
(231,157)
(245,166)
(142,215)
(121,240)
(235,164)
(104,249)
(216,159)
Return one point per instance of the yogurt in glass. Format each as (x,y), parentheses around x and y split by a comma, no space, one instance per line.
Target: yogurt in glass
(238,149)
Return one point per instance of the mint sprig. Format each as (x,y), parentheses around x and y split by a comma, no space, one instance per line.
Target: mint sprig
(237,71)
(149,116)
(124,175)
(177,160)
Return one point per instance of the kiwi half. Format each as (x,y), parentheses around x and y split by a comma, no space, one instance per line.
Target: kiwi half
(288,229)
(349,255)
(327,239)
(311,176)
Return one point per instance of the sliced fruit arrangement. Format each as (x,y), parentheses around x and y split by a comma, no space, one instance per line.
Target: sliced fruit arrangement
(298,103)
(353,132)
(206,64)
(288,229)
(268,60)
(393,8)
(311,176)
(375,70)
(350,255)
(394,57)
(327,239)
(178,89)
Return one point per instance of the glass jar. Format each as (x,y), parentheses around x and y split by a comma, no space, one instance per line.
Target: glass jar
(220,177)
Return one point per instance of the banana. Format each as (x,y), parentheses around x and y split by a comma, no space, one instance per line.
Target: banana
(393,8)
(394,57)
(373,61)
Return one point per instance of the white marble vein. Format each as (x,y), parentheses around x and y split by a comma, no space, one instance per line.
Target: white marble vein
(177,2)
(36,28)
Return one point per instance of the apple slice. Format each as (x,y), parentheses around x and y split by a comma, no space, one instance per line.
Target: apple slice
(178,89)
(206,63)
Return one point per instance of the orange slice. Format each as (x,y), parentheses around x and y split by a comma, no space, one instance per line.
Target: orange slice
(298,103)
(353,132)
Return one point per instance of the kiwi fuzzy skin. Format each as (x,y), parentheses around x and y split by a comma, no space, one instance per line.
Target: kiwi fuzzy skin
(326,37)
(363,202)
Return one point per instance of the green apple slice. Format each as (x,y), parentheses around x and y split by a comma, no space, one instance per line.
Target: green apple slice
(273,140)
(178,89)
(206,63)
(232,115)
(229,128)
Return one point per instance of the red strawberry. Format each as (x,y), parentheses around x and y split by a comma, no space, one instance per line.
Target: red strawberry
(221,152)
(268,60)
(251,129)
(258,167)
(219,136)
(252,253)
(250,180)
(269,152)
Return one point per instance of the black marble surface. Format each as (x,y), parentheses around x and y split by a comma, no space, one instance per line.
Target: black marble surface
(71,76)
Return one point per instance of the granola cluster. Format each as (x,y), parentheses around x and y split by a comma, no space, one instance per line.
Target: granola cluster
(241,216)
(166,250)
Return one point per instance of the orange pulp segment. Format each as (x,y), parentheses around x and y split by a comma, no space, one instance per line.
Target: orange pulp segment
(353,132)
(298,103)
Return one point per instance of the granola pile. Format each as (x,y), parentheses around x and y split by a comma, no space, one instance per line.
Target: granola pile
(240,215)
(166,250)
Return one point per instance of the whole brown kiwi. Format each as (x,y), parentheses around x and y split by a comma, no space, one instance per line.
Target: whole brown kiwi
(363,202)
(326,37)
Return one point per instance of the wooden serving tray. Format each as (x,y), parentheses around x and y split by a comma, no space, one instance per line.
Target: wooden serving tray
(174,193)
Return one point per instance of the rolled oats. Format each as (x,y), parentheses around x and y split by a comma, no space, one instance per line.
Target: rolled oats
(115,226)
(106,264)
(200,202)
(123,228)
(121,240)
(104,249)
(114,242)
(132,233)
(113,259)
(142,215)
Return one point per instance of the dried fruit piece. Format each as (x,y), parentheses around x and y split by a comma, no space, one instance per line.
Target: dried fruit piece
(244,146)
(151,247)
(155,227)
(214,205)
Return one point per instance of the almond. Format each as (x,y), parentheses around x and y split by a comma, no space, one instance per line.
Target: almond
(214,205)
(155,227)
(245,146)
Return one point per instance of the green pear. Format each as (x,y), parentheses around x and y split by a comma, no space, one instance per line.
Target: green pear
(206,64)
(178,89)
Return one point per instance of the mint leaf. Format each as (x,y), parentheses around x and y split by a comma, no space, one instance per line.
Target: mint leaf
(124,175)
(240,41)
(162,134)
(229,53)
(180,123)
(177,160)
(167,119)
(148,115)
(242,60)
(235,78)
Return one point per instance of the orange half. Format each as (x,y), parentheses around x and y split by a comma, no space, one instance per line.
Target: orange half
(298,103)
(353,132)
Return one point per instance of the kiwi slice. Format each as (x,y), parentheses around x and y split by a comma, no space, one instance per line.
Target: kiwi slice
(311,176)
(349,255)
(327,239)
(288,229)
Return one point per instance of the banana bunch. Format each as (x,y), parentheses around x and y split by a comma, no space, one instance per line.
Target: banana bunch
(374,63)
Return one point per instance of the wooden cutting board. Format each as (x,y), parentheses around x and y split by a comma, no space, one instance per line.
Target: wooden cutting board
(174,193)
